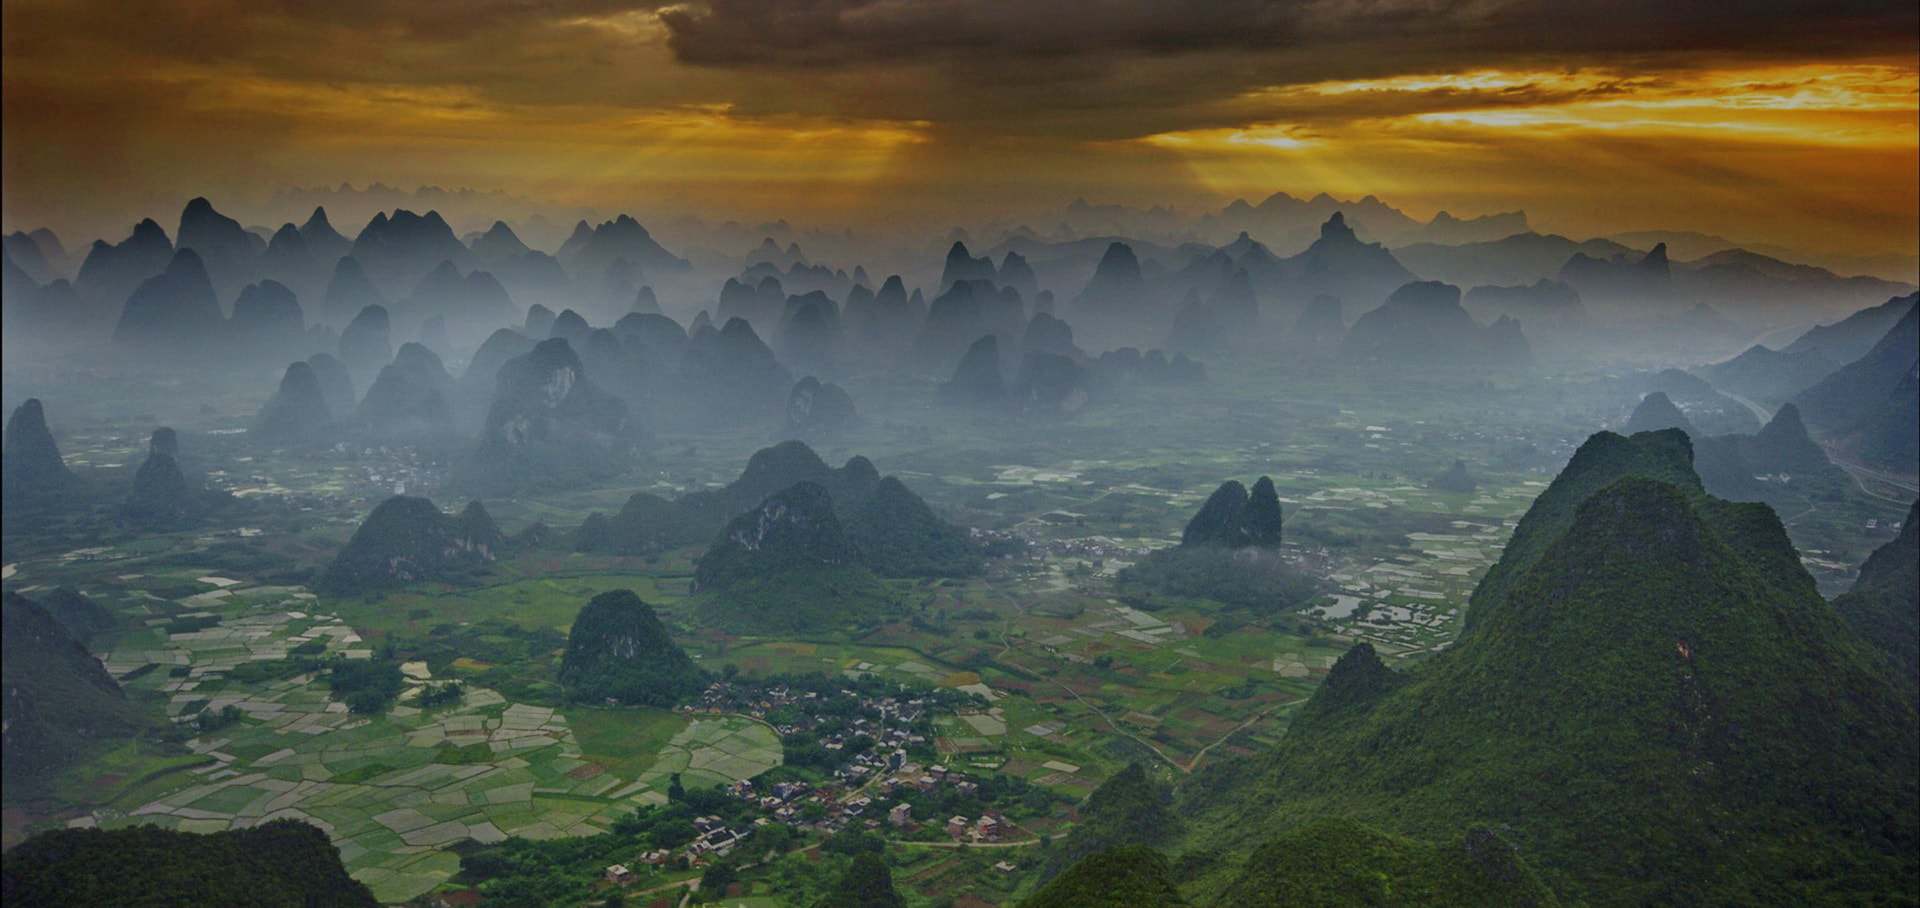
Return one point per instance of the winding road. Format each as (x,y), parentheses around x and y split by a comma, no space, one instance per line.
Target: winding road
(1860,472)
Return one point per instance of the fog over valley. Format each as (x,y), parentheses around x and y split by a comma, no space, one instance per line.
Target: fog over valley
(862,454)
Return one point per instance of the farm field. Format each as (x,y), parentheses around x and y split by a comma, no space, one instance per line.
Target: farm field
(394,791)
(1077,673)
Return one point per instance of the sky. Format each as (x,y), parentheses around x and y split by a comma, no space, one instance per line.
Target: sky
(1779,121)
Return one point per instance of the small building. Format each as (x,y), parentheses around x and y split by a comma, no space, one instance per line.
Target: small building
(957,827)
(1006,867)
(901,816)
(619,875)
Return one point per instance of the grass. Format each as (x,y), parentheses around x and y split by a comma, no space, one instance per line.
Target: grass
(625,741)
(126,776)
(532,602)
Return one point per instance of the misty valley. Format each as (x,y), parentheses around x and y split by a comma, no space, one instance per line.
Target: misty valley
(1303,552)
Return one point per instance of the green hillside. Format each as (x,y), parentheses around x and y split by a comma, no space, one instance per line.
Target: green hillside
(60,703)
(618,650)
(281,863)
(1642,661)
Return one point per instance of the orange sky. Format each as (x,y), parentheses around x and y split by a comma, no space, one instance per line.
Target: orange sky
(1793,123)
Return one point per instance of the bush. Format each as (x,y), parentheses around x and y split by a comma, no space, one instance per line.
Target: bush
(367,685)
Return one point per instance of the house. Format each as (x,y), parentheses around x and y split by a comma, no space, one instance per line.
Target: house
(901,816)
(618,874)
(1006,867)
(957,827)
(987,829)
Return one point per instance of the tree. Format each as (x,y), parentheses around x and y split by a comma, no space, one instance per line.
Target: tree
(866,884)
(675,790)
(719,875)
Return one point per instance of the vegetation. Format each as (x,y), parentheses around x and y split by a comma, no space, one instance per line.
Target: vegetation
(60,704)
(1339,863)
(898,535)
(367,686)
(1234,517)
(867,883)
(409,539)
(1119,877)
(617,650)
(280,863)
(1128,809)
(1255,579)
(1884,604)
(1709,624)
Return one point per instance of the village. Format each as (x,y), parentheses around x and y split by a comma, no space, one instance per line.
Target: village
(867,766)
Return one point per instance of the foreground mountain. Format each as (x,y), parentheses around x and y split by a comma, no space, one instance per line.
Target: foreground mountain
(619,652)
(1340,862)
(1641,662)
(406,540)
(1118,878)
(279,864)
(867,883)
(1884,604)
(60,703)
(1128,810)
(84,618)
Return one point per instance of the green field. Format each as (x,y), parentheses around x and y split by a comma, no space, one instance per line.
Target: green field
(623,741)
(1078,677)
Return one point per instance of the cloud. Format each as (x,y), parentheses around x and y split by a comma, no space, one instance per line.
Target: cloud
(768,105)
(1420,33)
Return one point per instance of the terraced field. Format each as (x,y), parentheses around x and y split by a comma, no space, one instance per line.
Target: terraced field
(394,791)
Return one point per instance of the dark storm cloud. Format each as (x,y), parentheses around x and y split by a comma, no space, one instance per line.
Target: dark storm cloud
(755,33)
(839,32)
